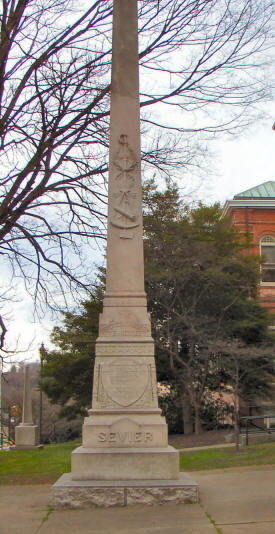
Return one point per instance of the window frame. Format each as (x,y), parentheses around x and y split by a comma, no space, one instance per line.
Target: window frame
(268,240)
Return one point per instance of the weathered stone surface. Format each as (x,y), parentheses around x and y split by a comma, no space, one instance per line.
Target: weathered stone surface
(26,433)
(124,349)
(87,497)
(27,401)
(161,495)
(73,494)
(26,436)
(125,382)
(124,432)
(126,464)
(125,269)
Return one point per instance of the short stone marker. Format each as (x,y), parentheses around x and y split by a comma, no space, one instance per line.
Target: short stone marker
(26,433)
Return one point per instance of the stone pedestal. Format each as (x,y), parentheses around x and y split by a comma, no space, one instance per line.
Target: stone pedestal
(26,436)
(125,436)
(132,464)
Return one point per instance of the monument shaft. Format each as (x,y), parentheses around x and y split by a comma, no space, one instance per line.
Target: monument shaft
(125,313)
(27,401)
(125,248)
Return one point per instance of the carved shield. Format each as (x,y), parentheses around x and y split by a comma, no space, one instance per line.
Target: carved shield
(124,383)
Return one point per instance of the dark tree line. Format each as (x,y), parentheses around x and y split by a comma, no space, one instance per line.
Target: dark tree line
(211,333)
(210,330)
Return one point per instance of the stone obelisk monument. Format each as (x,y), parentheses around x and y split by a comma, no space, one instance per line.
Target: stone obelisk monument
(125,454)
(26,433)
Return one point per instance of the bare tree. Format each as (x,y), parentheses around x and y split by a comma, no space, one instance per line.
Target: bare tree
(54,113)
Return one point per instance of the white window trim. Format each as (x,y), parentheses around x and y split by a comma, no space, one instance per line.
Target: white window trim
(267,239)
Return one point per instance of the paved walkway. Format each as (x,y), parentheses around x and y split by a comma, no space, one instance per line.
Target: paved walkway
(201,448)
(233,501)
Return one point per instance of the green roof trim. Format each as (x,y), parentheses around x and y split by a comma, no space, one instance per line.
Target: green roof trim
(265,190)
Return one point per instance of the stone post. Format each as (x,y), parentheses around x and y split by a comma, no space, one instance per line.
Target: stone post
(27,401)
(26,433)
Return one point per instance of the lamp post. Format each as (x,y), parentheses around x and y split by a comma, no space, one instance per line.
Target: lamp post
(42,354)
(14,412)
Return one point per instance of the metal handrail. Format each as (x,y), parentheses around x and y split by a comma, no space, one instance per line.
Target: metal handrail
(250,419)
(264,416)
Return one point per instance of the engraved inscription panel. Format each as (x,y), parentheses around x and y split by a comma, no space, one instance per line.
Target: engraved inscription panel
(125,437)
(124,383)
(134,388)
(116,328)
(127,349)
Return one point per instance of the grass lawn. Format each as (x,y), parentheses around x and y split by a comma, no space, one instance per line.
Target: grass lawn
(40,466)
(263,454)
(44,466)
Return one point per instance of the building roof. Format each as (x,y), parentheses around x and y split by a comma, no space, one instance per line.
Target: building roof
(261,196)
(265,190)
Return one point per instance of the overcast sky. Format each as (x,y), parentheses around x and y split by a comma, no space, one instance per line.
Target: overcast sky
(246,161)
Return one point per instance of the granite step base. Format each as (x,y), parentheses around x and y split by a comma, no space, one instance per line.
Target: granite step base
(68,493)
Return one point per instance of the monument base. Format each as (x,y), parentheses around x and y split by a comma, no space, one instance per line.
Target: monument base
(126,464)
(26,436)
(68,493)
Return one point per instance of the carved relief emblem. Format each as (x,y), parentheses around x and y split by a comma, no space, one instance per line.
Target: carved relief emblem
(122,215)
(125,160)
(124,383)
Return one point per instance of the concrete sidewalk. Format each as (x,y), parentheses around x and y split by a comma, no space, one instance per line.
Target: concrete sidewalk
(233,501)
(204,447)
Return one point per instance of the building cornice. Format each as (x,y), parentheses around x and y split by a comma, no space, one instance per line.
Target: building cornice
(247,203)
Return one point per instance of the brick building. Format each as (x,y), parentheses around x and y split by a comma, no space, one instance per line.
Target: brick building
(254,211)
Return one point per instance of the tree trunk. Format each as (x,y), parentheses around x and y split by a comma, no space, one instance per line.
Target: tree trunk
(236,408)
(187,415)
(198,425)
(236,434)
(236,424)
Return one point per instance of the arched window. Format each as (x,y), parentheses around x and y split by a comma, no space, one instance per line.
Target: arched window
(267,246)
